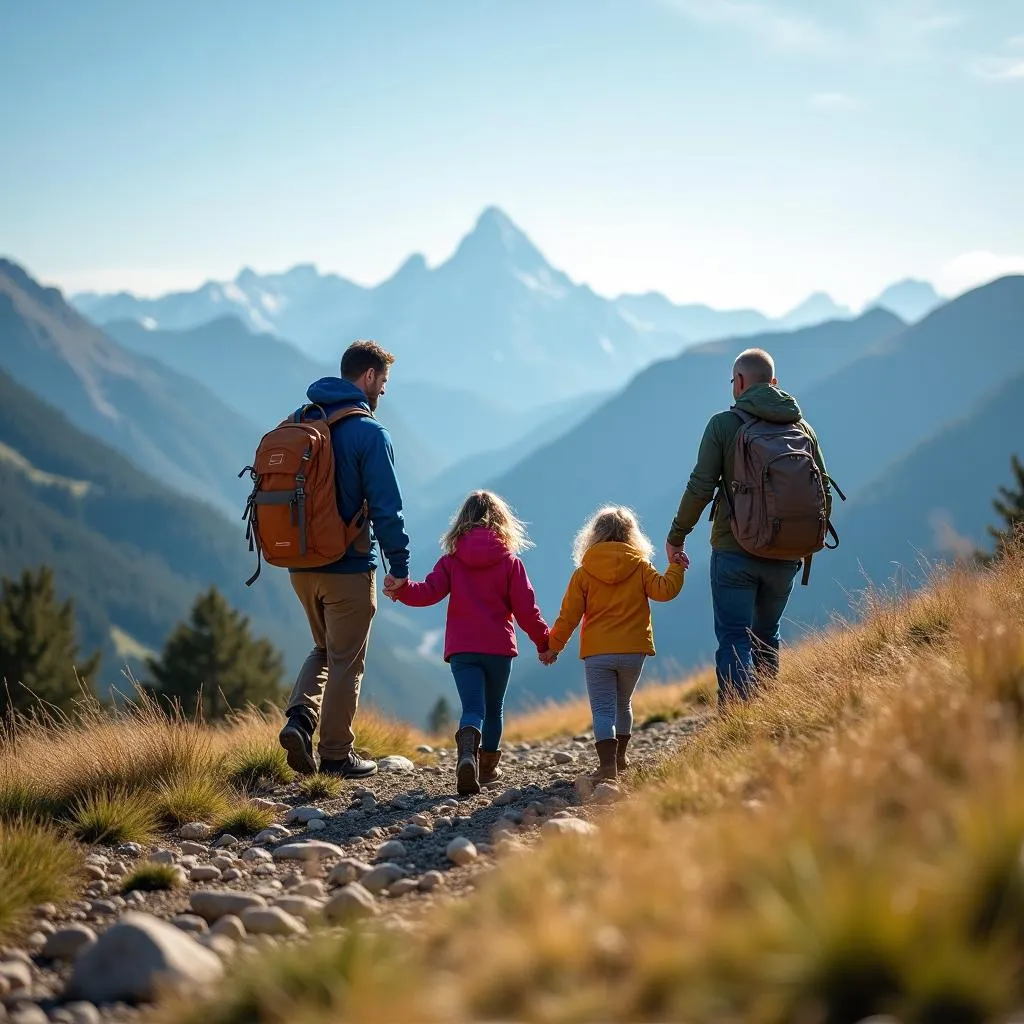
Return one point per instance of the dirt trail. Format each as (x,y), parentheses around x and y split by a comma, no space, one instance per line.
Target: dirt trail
(414,810)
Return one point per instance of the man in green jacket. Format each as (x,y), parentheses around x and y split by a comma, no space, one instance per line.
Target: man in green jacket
(749,594)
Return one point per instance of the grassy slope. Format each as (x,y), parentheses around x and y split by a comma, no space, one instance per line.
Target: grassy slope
(127,776)
(846,845)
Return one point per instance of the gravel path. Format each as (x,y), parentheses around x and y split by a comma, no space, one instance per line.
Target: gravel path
(390,847)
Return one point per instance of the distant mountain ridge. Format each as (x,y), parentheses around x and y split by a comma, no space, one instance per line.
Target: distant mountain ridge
(495,274)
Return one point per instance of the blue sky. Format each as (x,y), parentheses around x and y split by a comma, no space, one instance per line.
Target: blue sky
(739,152)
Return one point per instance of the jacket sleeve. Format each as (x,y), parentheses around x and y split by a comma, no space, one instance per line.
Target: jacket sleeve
(700,488)
(524,607)
(384,498)
(660,587)
(434,588)
(574,604)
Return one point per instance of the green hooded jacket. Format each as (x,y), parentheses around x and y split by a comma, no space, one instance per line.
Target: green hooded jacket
(715,461)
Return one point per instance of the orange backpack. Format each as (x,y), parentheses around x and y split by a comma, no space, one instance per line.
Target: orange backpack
(291,514)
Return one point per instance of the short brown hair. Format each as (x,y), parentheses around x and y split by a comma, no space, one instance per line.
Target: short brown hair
(361,356)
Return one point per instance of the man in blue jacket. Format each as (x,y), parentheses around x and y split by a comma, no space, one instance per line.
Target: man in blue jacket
(340,599)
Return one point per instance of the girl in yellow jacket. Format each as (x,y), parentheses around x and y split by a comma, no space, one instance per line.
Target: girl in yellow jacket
(610,591)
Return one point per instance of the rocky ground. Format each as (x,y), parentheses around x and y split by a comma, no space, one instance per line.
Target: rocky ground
(390,848)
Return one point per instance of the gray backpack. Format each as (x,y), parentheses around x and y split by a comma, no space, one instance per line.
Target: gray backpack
(777,496)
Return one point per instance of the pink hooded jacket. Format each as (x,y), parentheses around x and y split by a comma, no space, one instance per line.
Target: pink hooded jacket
(488,586)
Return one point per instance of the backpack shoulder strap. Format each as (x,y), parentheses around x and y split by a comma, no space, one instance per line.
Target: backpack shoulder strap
(341,414)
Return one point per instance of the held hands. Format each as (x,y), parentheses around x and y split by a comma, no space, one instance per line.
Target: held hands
(392,584)
(677,555)
(548,657)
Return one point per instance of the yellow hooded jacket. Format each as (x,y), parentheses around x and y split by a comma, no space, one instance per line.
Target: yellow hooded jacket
(610,593)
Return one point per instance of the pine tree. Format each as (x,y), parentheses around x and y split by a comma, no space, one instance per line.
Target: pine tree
(39,658)
(440,718)
(213,659)
(1010,506)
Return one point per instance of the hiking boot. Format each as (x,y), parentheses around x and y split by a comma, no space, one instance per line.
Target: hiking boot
(297,739)
(606,770)
(621,761)
(467,741)
(489,770)
(351,766)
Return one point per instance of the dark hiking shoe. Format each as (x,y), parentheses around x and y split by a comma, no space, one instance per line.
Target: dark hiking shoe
(621,761)
(467,771)
(489,770)
(297,739)
(351,766)
(606,769)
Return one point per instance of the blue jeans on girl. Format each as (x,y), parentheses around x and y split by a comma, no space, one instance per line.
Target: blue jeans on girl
(481,680)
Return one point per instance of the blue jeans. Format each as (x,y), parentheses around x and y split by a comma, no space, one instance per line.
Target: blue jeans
(481,680)
(749,596)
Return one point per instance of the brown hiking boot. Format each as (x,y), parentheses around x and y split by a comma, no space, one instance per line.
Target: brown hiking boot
(489,770)
(467,743)
(606,770)
(621,761)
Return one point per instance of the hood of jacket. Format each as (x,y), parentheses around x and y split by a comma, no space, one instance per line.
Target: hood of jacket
(480,548)
(336,392)
(612,561)
(770,403)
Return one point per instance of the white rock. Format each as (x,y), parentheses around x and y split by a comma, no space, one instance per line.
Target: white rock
(77,1013)
(222,945)
(204,873)
(424,748)
(138,955)
(302,907)
(348,870)
(402,886)
(223,863)
(350,904)
(564,757)
(568,826)
(510,796)
(229,925)
(232,875)
(68,942)
(607,794)
(272,834)
(18,976)
(391,849)
(29,1014)
(95,872)
(164,857)
(420,819)
(257,854)
(317,825)
(304,815)
(129,850)
(381,877)
(308,849)
(313,888)
(192,923)
(430,881)
(263,803)
(195,830)
(414,832)
(271,921)
(117,871)
(460,851)
(225,842)
(215,903)
(395,763)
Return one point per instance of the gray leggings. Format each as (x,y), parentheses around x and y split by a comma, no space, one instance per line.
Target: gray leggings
(611,680)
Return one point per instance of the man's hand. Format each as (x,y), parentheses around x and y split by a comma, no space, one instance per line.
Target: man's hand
(392,584)
(671,551)
(548,657)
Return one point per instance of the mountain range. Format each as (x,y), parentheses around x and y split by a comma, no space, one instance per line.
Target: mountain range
(495,318)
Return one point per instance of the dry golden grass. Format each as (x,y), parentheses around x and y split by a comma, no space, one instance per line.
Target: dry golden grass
(111,776)
(847,844)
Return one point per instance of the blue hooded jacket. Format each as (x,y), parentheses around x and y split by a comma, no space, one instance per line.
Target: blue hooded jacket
(365,466)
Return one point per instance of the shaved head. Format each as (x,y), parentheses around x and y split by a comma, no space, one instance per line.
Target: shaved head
(755,365)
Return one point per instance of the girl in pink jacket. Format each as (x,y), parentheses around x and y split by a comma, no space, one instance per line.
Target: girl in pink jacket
(487,587)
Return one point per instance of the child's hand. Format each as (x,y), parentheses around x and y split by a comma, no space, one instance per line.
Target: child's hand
(548,657)
(680,558)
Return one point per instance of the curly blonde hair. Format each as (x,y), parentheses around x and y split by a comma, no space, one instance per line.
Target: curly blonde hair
(484,508)
(611,523)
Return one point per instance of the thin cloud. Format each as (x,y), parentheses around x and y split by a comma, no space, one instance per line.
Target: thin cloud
(971,269)
(833,101)
(998,69)
(893,30)
(766,21)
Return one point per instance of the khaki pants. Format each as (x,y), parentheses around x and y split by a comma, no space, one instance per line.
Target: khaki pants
(340,608)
